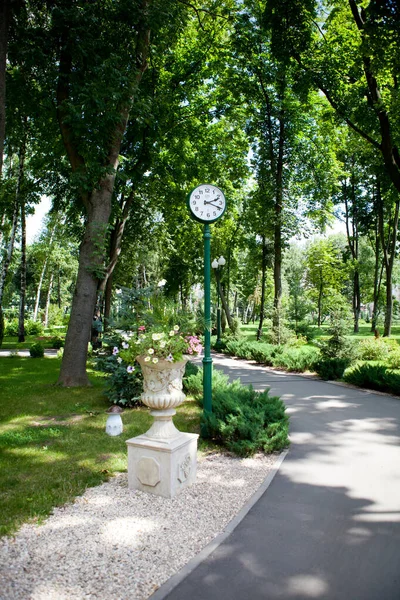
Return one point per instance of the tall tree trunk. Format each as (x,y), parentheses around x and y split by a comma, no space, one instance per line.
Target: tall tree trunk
(10,250)
(5,12)
(263,278)
(278,220)
(223,300)
(389,253)
(107,301)
(73,366)
(48,300)
(320,292)
(22,294)
(42,274)
(98,208)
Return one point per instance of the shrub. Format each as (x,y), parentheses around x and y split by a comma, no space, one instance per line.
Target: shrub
(297,359)
(331,367)
(280,335)
(375,377)
(190,369)
(57,342)
(122,388)
(11,328)
(246,421)
(373,349)
(33,327)
(393,359)
(36,350)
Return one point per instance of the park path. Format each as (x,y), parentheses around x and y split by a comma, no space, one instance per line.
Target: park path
(328,526)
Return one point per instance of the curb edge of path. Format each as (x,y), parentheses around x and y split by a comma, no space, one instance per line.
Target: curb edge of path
(171,583)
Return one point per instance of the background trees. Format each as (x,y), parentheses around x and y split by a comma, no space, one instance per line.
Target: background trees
(116,129)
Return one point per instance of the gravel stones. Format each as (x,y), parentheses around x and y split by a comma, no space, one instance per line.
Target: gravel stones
(123,544)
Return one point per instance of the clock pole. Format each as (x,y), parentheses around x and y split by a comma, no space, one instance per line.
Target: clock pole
(207,360)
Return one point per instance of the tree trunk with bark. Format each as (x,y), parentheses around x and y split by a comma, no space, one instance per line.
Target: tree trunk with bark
(5,12)
(263,279)
(73,367)
(98,204)
(10,250)
(48,300)
(22,294)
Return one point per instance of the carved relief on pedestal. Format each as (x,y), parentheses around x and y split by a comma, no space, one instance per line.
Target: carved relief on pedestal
(184,468)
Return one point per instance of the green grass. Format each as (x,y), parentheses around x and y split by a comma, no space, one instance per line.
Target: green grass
(53,443)
(250,331)
(11,343)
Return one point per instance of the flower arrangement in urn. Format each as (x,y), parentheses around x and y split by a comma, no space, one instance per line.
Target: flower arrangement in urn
(168,345)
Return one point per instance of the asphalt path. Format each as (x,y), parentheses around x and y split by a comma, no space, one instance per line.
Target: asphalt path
(328,526)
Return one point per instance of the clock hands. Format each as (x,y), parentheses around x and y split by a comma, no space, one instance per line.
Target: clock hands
(212,202)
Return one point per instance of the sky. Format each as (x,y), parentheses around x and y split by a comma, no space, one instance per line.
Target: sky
(34,222)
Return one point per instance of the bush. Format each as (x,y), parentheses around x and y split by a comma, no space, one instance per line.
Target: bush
(393,359)
(297,359)
(33,328)
(11,328)
(374,377)
(36,350)
(122,388)
(190,369)
(373,349)
(331,367)
(245,421)
(57,342)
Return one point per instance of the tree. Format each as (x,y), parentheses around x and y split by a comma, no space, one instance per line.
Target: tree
(324,275)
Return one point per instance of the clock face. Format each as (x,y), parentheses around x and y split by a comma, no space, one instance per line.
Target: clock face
(206,203)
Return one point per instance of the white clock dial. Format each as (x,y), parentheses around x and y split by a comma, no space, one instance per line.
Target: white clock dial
(207,203)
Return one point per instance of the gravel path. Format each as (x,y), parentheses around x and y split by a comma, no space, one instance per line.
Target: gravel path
(121,544)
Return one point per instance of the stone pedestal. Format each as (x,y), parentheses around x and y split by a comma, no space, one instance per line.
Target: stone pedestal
(162,466)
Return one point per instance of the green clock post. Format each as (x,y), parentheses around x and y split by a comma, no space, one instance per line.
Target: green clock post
(207,204)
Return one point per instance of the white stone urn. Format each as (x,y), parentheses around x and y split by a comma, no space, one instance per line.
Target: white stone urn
(162,392)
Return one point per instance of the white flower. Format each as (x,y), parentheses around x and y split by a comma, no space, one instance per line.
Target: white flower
(171,333)
(163,344)
(129,368)
(161,283)
(176,327)
(119,360)
(155,360)
(150,350)
(115,350)
(125,345)
(156,336)
(170,358)
(147,358)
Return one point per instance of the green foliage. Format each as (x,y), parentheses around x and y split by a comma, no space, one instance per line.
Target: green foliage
(36,350)
(338,346)
(373,349)
(393,359)
(11,328)
(123,387)
(297,359)
(190,369)
(245,421)
(288,357)
(57,342)
(33,328)
(1,325)
(374,377)
(331,368)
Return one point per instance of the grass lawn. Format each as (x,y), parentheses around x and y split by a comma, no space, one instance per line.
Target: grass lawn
(250,331)
(53,443)
(11,343)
